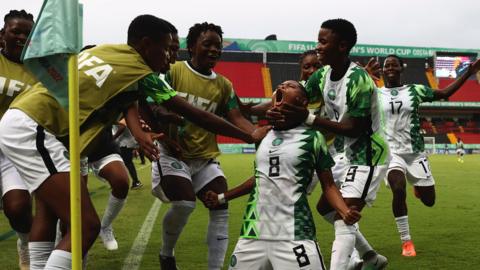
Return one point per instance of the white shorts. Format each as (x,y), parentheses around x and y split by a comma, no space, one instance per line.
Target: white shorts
(460,152)
(199,171)
(9,176)
(253,254)
(415,167)
(338,172)
(340,169)
(36,153)
(363,182)
(98,165)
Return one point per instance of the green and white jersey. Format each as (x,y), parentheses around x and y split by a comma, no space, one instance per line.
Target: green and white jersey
(278,208)
(399,107)
(354,95)
(459,145)
(156,89)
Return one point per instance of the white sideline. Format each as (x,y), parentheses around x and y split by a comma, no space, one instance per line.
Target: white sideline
(134,258)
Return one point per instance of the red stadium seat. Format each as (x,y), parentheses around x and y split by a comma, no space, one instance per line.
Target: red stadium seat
(470,91)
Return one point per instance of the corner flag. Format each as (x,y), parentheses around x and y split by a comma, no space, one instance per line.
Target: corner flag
(56,34)
(51,55)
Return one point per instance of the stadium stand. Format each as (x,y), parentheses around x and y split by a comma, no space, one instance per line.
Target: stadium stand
(468,92)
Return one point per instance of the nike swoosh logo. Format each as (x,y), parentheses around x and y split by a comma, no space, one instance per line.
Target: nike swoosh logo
(375,264)
(222,238)
(272,151)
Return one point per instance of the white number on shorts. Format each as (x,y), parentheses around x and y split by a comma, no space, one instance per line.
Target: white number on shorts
(274,169)
(301,254)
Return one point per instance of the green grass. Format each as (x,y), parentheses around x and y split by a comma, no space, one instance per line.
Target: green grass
(446,236)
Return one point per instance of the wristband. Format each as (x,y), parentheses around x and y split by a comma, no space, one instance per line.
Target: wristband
(310,119)
(221,198)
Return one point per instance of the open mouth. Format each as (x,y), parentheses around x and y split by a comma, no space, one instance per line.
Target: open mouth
(20,43)
(390,74)
(213,56)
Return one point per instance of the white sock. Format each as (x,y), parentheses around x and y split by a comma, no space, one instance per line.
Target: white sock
(217,238)
(59,260)
(330,217)
(361,243)
(23,238)
(39,253)
(113,208)
(343,245)
(173,223)
(58,233)
(403,228)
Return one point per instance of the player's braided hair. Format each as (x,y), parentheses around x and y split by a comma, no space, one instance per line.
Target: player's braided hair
(22,14)
(199,28)
(305,54)
(344,29)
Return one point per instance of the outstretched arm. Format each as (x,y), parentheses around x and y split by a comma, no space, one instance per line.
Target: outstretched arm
(350,127)
(211,122)
(144,139)
(453,87)
(213,199)
(350,216)
(235,117)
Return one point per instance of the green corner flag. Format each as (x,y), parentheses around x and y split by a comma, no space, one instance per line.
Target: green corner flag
(56,34)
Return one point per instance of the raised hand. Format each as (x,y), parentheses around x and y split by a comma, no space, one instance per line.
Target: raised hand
(475,67)
(294,113)
(146,141)
(373,68)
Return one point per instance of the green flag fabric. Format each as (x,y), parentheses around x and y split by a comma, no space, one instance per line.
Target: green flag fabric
(56,34)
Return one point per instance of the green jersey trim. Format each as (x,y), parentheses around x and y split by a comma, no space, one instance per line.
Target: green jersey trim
(156,89)
(359,91)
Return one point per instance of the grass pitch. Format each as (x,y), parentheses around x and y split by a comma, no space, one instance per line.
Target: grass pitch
(446,236)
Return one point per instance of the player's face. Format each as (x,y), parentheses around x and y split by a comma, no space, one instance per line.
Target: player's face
(157,53)
(207,50)
(288,92)
(309,65)
(327,47)
(392,70)
(174,47)
(15,34)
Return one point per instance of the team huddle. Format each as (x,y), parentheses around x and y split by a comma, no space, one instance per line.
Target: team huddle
(356,136)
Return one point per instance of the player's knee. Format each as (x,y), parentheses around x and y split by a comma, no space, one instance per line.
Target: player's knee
(183,207)
(428,201)
(18,211)
(120,187)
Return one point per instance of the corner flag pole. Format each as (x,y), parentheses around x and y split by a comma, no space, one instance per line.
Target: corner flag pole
(51,55)
(75,191)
